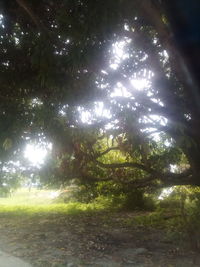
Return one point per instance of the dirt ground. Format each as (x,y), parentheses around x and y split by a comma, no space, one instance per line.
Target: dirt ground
(91,240)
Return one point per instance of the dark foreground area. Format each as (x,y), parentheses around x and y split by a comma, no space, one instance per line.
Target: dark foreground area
(94,239)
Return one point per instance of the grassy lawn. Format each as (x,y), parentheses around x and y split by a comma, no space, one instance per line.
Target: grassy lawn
(41,201)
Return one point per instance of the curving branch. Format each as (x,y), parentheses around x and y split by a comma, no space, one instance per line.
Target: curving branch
(24,5)
(152,178)
(154,181)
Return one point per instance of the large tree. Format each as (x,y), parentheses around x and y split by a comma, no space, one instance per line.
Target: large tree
(61,60)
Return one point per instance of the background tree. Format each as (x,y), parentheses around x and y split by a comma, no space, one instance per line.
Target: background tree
(63,60)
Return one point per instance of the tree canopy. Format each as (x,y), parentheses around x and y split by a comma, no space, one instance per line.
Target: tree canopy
(108,83)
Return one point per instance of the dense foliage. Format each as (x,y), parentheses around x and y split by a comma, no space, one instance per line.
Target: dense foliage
(106,85)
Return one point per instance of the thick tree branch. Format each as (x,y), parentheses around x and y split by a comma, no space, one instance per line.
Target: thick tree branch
(163,180)
(107,151)
(125,165)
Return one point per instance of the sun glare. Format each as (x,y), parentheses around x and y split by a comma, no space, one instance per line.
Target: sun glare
(119,54)
(35,154)
(140,84)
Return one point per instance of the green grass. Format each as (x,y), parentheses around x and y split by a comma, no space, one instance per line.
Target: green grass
(71,208)
(23,196)
(38,202)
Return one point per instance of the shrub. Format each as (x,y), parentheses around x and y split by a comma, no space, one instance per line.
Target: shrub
(169,203)
(109,194)
(83,194)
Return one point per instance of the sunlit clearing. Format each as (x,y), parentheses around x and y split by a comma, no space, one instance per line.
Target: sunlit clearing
(36,154)
(54,194)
